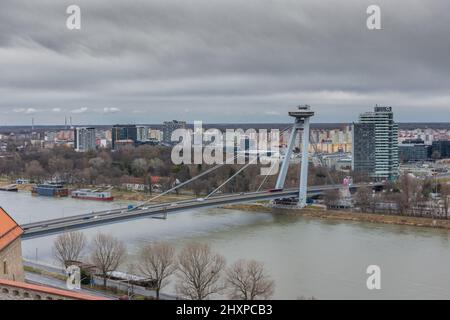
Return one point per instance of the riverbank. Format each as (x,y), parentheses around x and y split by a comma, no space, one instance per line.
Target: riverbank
(121,195)
(319,213)
(134,196)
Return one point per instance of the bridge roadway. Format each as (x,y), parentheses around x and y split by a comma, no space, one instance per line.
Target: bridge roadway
(53,226)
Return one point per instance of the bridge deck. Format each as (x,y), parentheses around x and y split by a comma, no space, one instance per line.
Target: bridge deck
(47,227)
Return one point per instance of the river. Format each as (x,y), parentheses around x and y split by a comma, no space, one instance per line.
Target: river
(306,257)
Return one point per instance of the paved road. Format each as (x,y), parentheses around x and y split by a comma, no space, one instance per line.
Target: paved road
(35,278)
(44,267)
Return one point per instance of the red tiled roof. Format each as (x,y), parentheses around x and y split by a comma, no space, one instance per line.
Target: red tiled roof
(9,229)
(133,180)
(155,179)
(139,180)
(49,290)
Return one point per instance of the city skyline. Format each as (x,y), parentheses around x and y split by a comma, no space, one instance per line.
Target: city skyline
(228,62)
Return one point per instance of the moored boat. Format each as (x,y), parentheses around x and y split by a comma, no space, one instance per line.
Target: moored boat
(10,187)
(50,190)
(88,194)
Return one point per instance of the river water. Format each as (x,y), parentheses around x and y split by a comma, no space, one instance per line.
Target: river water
(306,257)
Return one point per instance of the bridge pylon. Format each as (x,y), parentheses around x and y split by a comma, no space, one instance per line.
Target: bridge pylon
(301,121)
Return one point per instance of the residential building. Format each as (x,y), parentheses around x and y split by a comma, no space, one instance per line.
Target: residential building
(142,133)
(156,134)
(375,144)
(84,139)
(428,135)
(11,267)
(337,161)
(169,127)
(65,135)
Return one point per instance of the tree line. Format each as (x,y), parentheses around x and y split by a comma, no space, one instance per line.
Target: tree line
(200,272)
(105,167)
(408,195)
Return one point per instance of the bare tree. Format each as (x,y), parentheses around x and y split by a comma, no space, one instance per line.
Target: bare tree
(199,271)
(364,198)
(247,280)
(34,170)
(445,195)
(406,199)
(69,247)
(157,262)
(197,187)
(332,198)
(107,254)
(139,166)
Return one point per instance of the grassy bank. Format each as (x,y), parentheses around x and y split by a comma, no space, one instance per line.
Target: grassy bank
(123,195)
(347,216)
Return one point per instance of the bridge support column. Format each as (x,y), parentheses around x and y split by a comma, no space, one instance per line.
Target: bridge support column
(301,116)
(287,157)
(303,189)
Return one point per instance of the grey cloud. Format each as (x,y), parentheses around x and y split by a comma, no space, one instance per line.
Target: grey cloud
(80,110)
(111,110)
(224,60)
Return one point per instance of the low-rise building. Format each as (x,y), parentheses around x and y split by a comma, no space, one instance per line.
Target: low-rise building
(11,267)
(441,149)
(413,150)
(12,275)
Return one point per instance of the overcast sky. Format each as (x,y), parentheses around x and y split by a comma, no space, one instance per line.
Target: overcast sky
(222,60)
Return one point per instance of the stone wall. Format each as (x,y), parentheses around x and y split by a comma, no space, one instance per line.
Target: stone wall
(15,293)
(14,290)
(12,257)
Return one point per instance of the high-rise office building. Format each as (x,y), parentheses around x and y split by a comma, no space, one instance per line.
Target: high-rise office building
(375,144)
(440,149)
(84,139)
(169,127)
(412,150)
(123,135)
